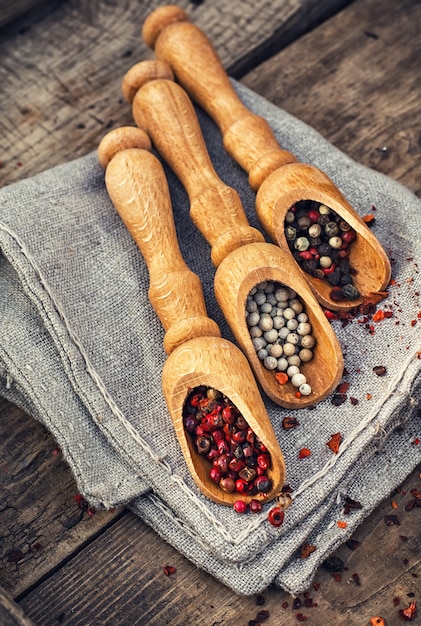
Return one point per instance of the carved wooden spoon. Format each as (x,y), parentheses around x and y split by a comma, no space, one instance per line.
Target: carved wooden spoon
(163,109)
(198,355)
(248,138)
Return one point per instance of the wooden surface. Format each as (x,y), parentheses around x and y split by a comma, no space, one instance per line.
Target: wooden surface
(355,77)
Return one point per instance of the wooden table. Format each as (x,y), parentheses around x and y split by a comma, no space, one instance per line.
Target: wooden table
(350,69)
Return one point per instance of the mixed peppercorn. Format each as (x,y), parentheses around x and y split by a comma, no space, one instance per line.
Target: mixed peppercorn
(280,331)
(238,460)
(320,240)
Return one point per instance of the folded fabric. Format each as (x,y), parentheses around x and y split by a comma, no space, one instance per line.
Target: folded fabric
(81,350)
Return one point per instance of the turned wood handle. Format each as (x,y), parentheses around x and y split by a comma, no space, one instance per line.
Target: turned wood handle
(248,138)
(137,186)
(164,110)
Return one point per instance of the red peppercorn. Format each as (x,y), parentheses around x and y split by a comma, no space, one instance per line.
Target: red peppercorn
(262,484)
(218,435)
(229,414)
(215,474)
(222,446)
(240,506)
(276,516)
(306,255)
(255,506)
(236,464)
(263,460)
(348,236)
(239,436)
(212,454)
(329,270)
(241,485)
(313,215)
(241,423)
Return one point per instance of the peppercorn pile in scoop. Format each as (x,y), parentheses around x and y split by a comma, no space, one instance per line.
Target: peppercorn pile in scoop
(238,460)
(320,241)
(280,332)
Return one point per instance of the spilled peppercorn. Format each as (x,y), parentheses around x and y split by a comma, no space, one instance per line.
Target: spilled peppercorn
(320,241)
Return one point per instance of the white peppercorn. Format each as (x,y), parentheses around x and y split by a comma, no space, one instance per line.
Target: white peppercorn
(296,305)
(282,294)
(251,305)
(305,355)
(259,298)
(270,362)
(289,313)
(292,370)
(308,341)
(271,335)
(266,307)
(262,354)
(325,262)
(276,350)
(304,328)
(298,379)
(255,331)
(258,343)
(292,324)
(294,359)
(266,322)
(278,322)
(282,364)
(289,349)
(283,332)
(253,319)
(293,338)
(304,389)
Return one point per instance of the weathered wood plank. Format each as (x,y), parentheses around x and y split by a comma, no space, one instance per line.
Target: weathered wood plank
(357,81)
(118,577)
(10,613)
(123,582)
(61,78)
(40,519)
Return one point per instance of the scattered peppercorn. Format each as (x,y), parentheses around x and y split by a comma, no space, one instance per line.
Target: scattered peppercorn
(168,570)
(333,564)
(351,505)
(289,422)
(409,613)
(380,370)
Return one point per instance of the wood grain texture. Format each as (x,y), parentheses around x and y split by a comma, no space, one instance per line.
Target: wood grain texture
(137,186)
(125,582)
(41,523)
(61,76)
(281,181)
(358,83)
(10,613)
(356,79)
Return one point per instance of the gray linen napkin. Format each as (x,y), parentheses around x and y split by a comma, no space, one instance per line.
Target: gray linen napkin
(81,350)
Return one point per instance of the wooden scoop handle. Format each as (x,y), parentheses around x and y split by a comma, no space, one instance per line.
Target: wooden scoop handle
(164,110)
(248,138)
(138,188)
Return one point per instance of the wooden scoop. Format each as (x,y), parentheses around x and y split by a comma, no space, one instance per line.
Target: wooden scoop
(163,109)
(248,138)
(198,355)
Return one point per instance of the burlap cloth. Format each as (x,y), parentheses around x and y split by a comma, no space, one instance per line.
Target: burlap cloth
(81,351)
